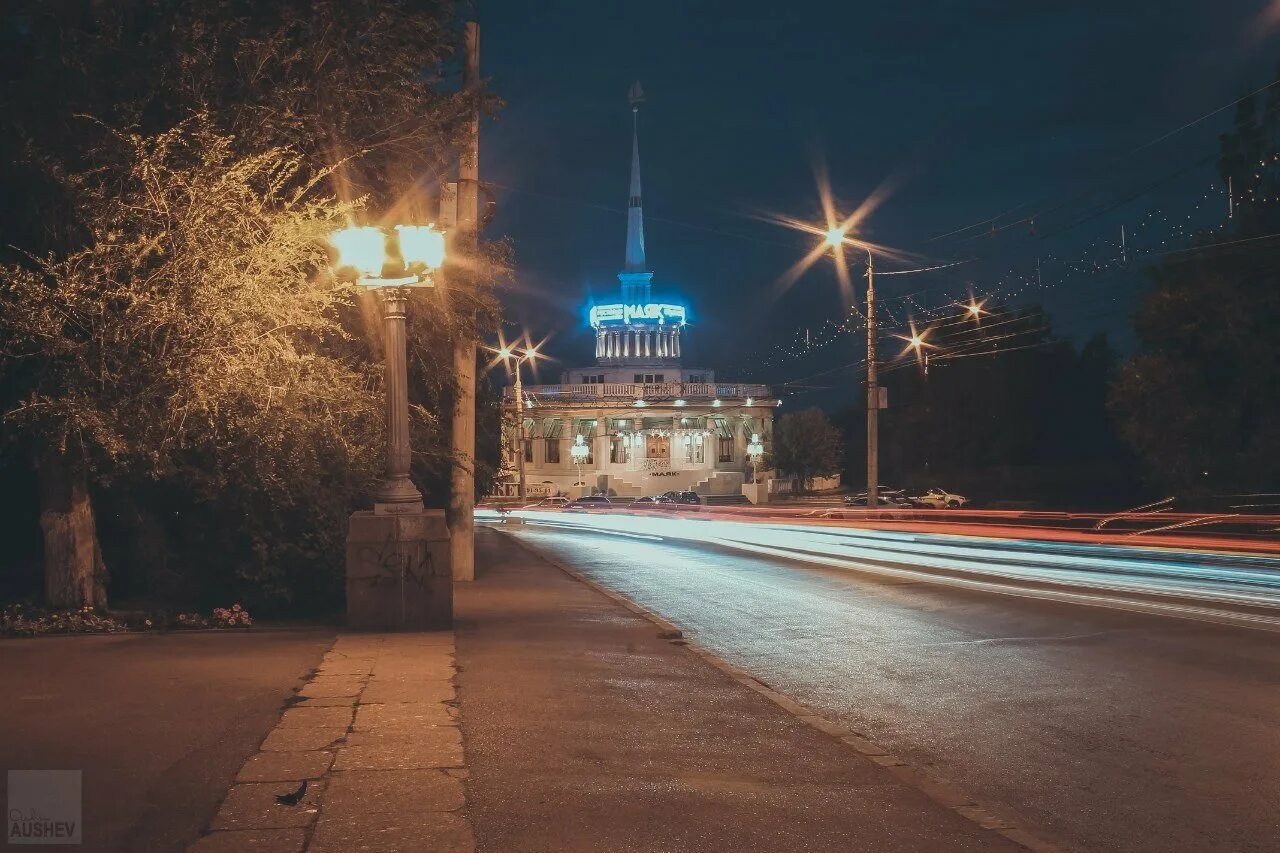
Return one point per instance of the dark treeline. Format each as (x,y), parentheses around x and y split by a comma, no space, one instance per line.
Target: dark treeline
(1001,412)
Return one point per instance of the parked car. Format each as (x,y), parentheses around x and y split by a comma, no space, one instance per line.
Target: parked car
(940,499)
(885,497)
(683,497)
(654,500)
(589,502)
(884,501)
(555,502)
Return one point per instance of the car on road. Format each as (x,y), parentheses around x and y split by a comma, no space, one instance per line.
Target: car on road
(654,500)
(589,502)
(883,501)
(554,502)
(941,499)
(885,497)
(683,497)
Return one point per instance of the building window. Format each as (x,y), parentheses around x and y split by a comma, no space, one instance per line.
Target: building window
(618,450)
(697,378)
(725,444)
(528,450)
(553,450)
(659,378)
(597,379)
(639,378)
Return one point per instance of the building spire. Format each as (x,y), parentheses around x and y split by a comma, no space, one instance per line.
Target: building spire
(635,261)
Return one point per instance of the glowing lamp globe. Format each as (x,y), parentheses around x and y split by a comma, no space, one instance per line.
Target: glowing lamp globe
(363,248)
(421,244)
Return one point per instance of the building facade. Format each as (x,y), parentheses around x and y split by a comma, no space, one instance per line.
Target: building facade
(641,421)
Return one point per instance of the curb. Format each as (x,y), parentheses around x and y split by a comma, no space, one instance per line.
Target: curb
(940,792)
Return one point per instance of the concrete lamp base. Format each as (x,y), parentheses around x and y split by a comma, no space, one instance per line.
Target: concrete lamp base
(399,576)
(757,493)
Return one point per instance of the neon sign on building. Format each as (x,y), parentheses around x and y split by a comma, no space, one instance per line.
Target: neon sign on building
(657,313)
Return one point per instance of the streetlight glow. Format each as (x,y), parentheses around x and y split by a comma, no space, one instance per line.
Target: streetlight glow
(835,236)
(362,247)
(421,244)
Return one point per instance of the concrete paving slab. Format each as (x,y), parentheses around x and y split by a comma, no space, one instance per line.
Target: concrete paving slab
(372,717)
(312,718)
(401,755)
(407,690)
(285,766)
(325,702)
(253,805)
(331,688)
(302,738)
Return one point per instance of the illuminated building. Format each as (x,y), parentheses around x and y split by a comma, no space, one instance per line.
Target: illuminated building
(650,423)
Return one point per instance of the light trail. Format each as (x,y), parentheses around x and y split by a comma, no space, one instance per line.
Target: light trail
(1217,585)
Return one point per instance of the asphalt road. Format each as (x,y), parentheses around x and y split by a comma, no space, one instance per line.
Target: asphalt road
(1101,729)
(159,724)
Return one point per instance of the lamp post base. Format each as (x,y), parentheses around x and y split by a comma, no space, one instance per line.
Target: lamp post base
(399,576)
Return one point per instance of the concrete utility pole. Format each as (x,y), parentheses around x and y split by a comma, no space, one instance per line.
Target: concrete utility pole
(463,486)
(873,391)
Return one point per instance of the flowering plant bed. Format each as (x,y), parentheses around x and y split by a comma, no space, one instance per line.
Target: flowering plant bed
(18,620)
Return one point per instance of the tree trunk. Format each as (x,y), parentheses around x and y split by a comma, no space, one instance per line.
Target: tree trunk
(74,574)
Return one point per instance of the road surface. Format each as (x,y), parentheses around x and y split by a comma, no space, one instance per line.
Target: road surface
(1100,728)
(159,724)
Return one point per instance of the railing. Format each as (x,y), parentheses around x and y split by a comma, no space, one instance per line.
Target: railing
(646,391)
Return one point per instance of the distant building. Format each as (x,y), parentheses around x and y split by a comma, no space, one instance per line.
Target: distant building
(648,423)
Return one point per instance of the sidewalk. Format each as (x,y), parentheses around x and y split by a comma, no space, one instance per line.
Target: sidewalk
(374,736)
(587,727)
(587,731)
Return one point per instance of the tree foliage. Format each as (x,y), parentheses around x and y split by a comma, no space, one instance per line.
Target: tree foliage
(1005,412)
(1200,402)
(806,444)
(193,341)
(178,161)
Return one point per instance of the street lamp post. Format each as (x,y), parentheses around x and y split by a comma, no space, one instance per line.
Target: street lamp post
(755,449)
(579,451)
(419,251)
(509,354)
(398,556)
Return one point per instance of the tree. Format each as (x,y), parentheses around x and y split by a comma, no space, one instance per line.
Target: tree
(194,324)
(806,445)
(1199,402)
(352,91)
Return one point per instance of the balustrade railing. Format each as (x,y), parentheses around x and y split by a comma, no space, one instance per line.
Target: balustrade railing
(644,391)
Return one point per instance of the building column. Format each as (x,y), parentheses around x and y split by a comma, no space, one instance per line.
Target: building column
(601,449)
(676,340)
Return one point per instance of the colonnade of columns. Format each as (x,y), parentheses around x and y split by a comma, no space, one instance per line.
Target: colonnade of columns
(638,343)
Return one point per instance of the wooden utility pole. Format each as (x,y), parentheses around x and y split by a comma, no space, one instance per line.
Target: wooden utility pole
(462,498)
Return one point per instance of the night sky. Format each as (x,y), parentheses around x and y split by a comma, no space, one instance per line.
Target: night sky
(968,110)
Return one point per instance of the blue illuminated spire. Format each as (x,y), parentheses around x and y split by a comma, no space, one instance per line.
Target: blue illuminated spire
(635,277)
